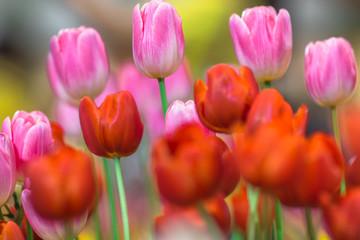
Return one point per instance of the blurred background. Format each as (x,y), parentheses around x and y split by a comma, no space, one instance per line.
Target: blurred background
(27,26)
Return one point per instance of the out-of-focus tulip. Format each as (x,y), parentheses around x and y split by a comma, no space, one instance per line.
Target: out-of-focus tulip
(31,135)
(77,64)
(46,228)
(62,183)
(10,231)
(330,71)
(180,113)
(343,216)
(240,206)
(186,166)
(7,169)
(270,106)
(114,129)
(320,172)
(188,223)
(263,41)
(158,39)
(223,105)
(178,87)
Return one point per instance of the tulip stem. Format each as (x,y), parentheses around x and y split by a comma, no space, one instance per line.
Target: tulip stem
(278,220)
(164,102)
(267,84)
(209,222)
(111,199)
(253,218)
(1,215)
(122,195)
(30,234)
(337,138)
(309,224)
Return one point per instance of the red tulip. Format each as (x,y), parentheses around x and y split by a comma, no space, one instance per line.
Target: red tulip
(115,128)
(187,166)
(62,183)
(223,104)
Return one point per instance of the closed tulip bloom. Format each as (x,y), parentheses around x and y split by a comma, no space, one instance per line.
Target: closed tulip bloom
(77,64)
(263,41)
(7,169)
(187,166)
(158,40)
(180,113)
(330,71)
(50,229)
(10,231)
(223,104)
(31,135)
(62,184)
(114,129)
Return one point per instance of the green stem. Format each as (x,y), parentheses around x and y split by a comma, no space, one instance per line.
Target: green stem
(9,213)
(267,84)
(30,234)
(122,195)
(1,215)
(309,224)
(97,224)
(111,199)
(253,218)
(164,102)
(236,235)
(335,124)
(210,222)
(278,220)
(96,214)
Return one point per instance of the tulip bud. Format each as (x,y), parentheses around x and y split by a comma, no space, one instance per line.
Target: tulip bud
(223,105)
(31,135)
(62,183)
(77,64)
(115,128)
(9,231)
(7,169)
(158,40)
(263,41)
(330,71)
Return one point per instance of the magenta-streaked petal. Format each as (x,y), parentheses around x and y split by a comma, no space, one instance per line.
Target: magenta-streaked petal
(6,127)
(137,38)
(7,169)
(47,228)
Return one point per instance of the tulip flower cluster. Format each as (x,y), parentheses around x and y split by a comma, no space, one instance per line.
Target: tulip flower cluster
(223,165)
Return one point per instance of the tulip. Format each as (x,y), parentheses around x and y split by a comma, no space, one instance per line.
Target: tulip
(263,41)
(30,134)
(187,166)
(77,64)
(270,106)
(50,229)
(7,169)
(147,97)
(62,183)
(158,40)
(9,230)
(115,128)
(343,216)
(180,113)
(223,105)
(330,71)
(186,223)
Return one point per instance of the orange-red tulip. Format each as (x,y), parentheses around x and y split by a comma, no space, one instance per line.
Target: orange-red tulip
(115,128)
(343,216)
(62,183)
(223,104)
(269,106)
(10,231)
(187,166)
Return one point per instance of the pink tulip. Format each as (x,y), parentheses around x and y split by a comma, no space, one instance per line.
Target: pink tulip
(7,169)
(158,40)
(147,97)
(180,113)
(77,64)
(330,71)
(30,134)
(263,41)
(48,228)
